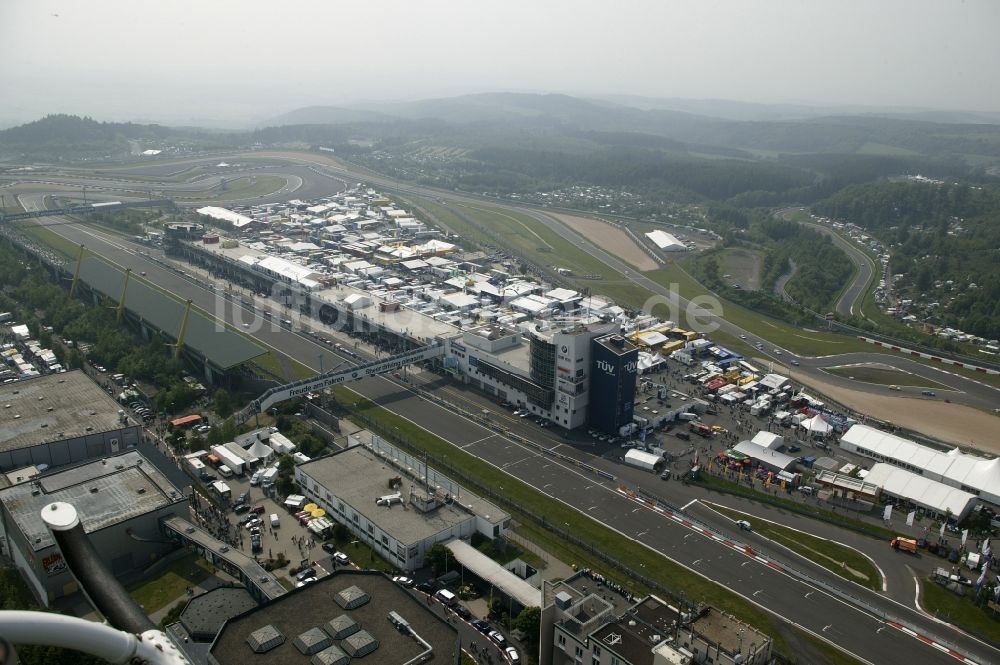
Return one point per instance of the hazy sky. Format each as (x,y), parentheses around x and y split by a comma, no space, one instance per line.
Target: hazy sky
(237,61)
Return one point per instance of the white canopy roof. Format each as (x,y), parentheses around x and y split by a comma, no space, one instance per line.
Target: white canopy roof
(665,240)
(492,572)
(922,491)
(817,425)
(766,455)
(953,468)
(768,440)
(224,215)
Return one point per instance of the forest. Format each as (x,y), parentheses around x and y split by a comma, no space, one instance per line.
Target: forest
(945,241)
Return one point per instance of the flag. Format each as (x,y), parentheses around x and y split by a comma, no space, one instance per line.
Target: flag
(979,582)
(909,517)
(986,546)
(941,532)
(996,593)
(965,536)
(888,513)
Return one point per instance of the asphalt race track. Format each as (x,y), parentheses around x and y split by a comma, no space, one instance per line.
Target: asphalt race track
(806,605)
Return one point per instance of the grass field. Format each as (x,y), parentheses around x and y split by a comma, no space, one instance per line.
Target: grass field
(713,482)
(601,537)
(797,340)
(157,592)
(244,187)
(534,241)
(883,376)
(838,559)
(961,611)
(742,265)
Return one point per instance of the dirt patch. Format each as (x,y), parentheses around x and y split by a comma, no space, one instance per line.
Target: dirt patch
(743,268)
(952,423)
(610,239)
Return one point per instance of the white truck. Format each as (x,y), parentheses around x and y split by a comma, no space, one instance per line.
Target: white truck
(275,521)
(269,476)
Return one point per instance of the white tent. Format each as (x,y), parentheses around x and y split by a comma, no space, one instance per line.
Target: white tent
(817,426)
(261,450)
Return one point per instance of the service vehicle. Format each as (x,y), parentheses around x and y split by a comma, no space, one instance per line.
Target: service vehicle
(902,544)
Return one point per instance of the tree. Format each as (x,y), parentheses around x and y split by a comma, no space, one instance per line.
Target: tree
(529,622)
(437,558)
(222,403)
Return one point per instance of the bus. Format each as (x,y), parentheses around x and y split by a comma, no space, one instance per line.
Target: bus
(701,429)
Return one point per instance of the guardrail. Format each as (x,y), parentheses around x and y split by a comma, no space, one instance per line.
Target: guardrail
(654,502)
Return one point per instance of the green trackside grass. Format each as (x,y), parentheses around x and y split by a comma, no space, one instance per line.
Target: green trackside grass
(839,559)
(713,482)
(158,592)
(960,611)
(831,655)
(238,188)
(66,247)
(602,538)
(882,376)
(525,235)
(797,340)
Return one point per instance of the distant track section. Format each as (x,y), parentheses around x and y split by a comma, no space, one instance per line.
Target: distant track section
(335,377)
(83,210)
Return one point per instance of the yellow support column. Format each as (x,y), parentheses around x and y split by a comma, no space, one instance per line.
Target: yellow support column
(180,335)
(121,298)
(76,274)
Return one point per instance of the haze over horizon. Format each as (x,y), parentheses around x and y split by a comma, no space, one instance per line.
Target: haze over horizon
(229,63)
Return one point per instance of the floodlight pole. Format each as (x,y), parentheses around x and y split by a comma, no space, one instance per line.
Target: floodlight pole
(121,298)
(183,330)
(76,274)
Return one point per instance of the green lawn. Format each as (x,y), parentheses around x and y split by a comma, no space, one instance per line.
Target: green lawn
(528,503)
(959,610)
(807,342)
(883,376)
(839,559)
(742,265)
(243,187)
(716,483)
(159,591)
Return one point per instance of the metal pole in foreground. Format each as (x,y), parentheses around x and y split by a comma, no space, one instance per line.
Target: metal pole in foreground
(105,592)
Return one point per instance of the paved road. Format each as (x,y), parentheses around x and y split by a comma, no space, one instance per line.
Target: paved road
(797,602)
(318,176)
(849,302)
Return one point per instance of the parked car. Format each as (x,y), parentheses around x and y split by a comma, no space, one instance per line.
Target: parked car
(302,583)
(463,611)
(341,558)
(241,508)
(928,393)
(482,626)
(329,547)
(402,580)
(512,655)
(257,510)
(683,436)
(426,587)
(304,573)
(497,637)
(744,525)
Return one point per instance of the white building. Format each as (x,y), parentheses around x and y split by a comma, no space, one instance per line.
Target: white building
(351,486)
(934,497)
(666,242)
(969,473)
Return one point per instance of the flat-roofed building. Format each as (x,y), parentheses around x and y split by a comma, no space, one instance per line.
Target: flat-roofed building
(364,488)
(60,419)
(587,619)
(120,501)
(308,618)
